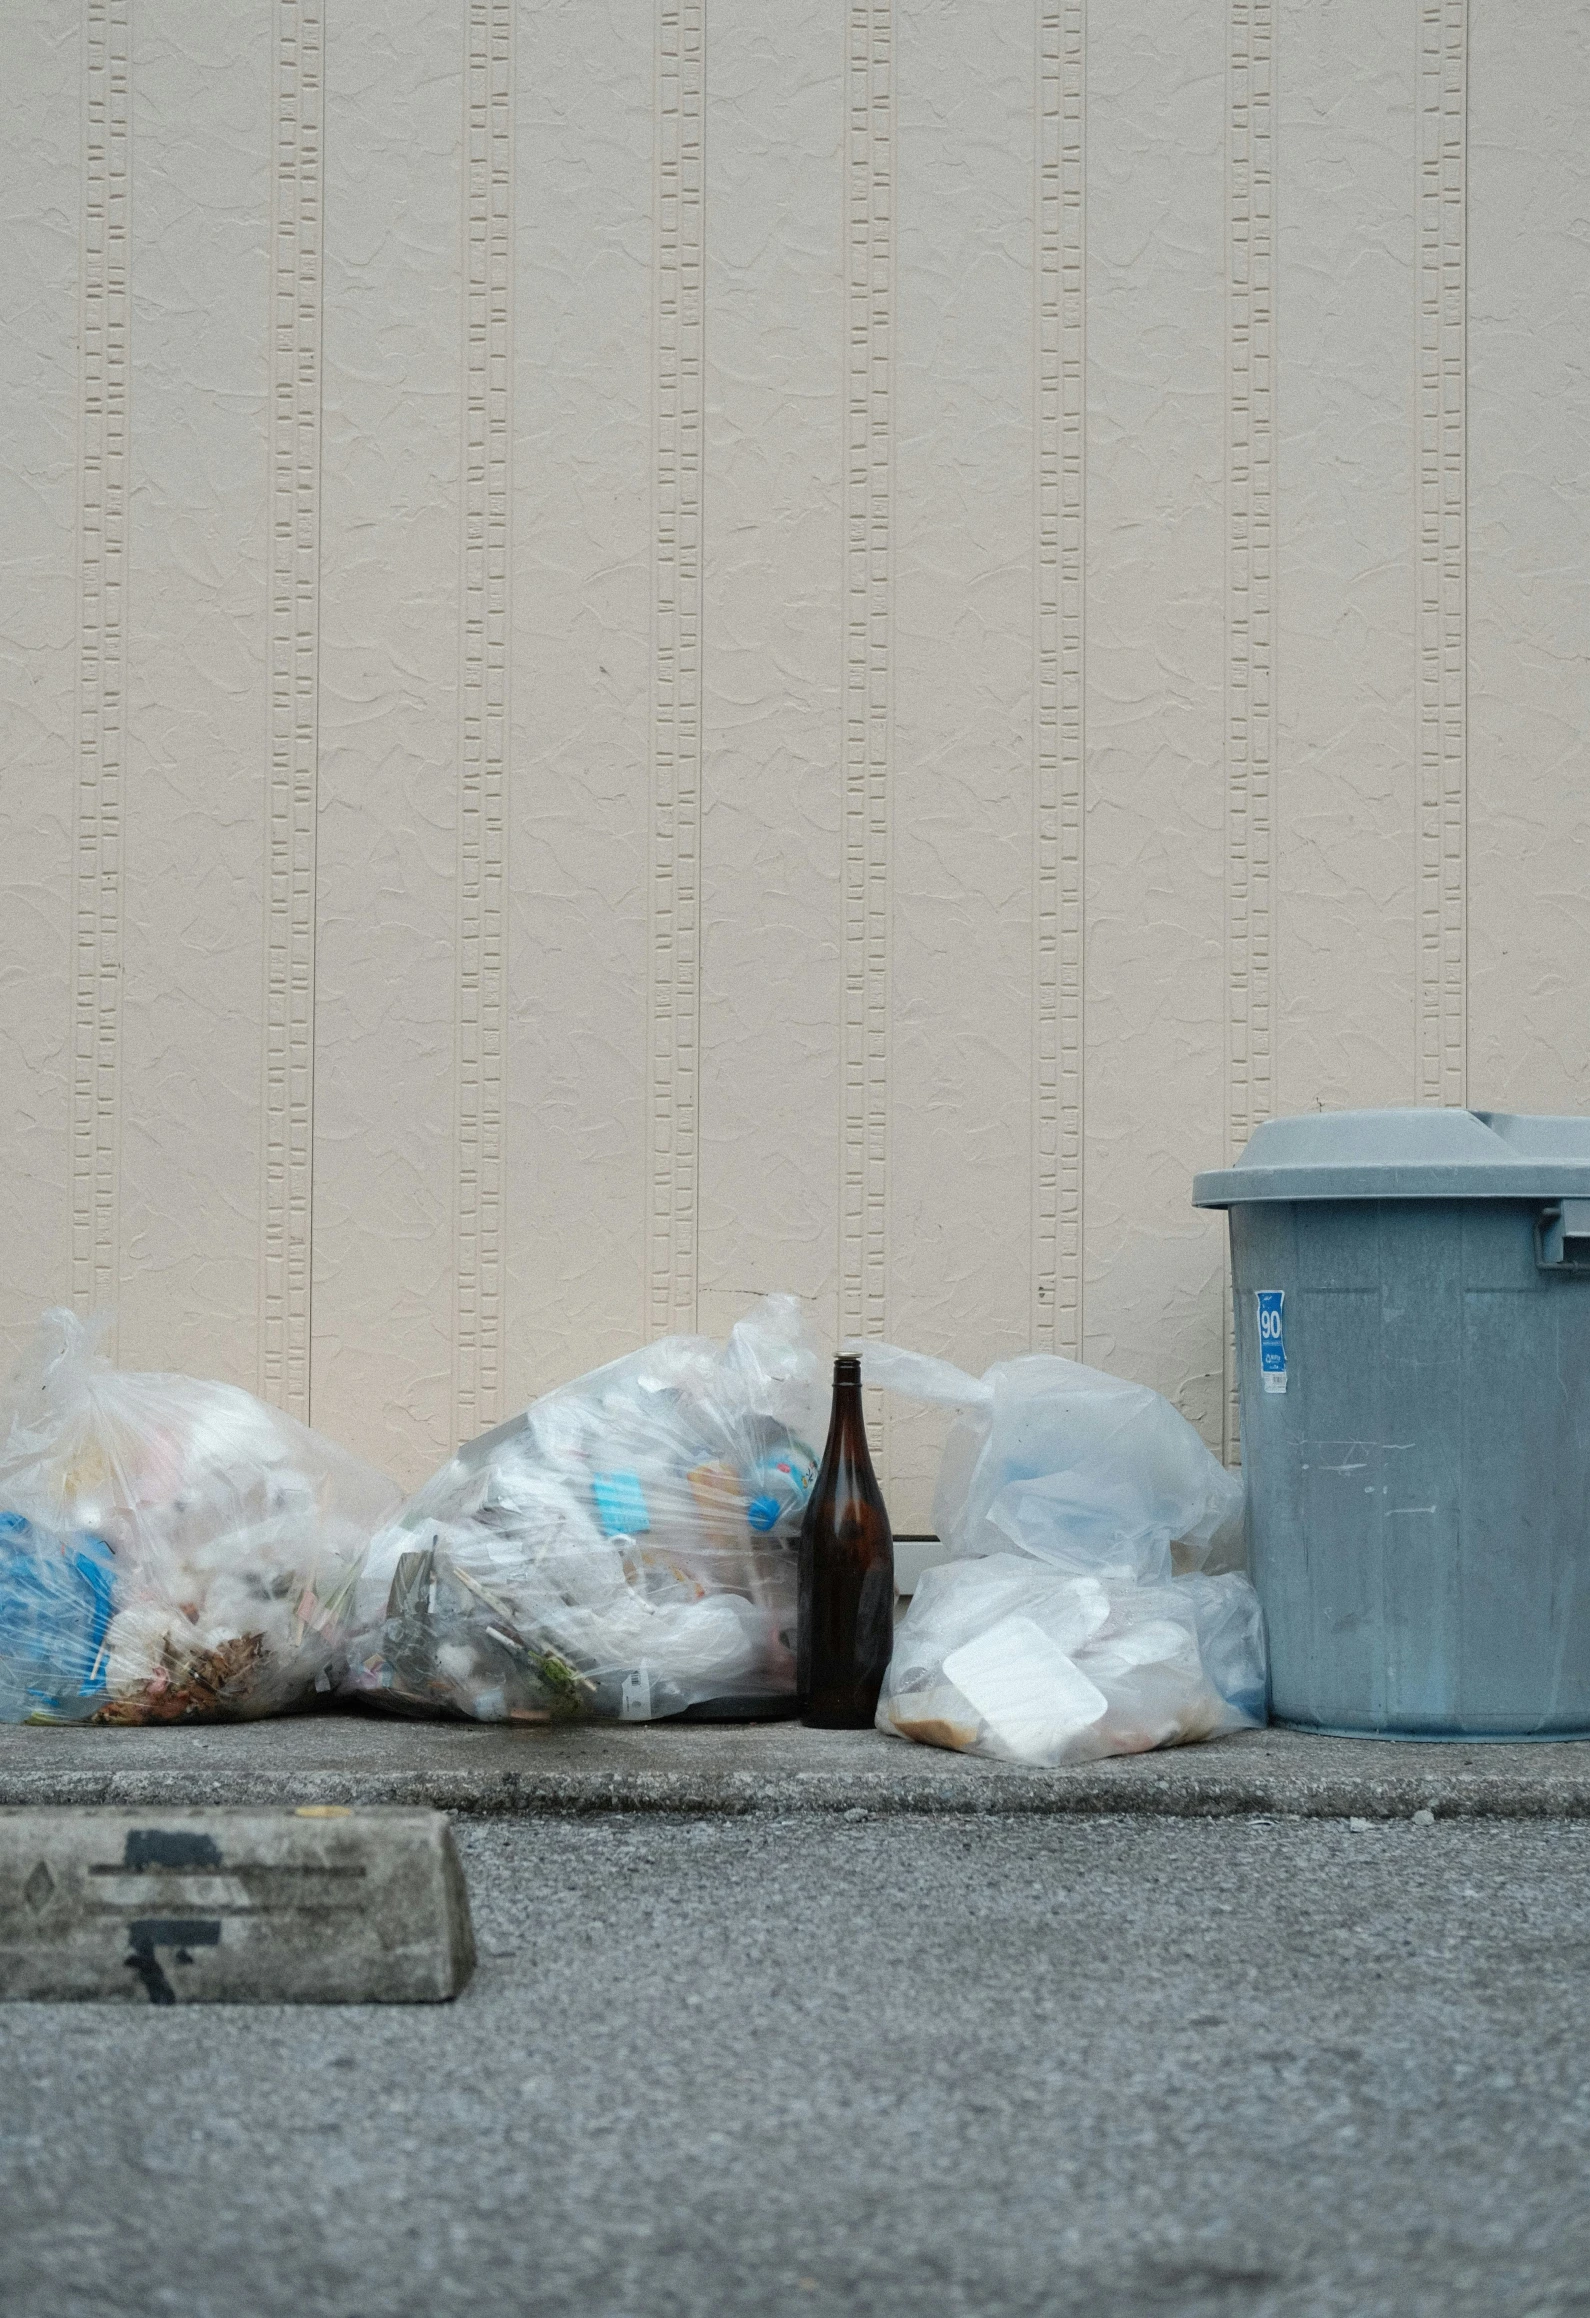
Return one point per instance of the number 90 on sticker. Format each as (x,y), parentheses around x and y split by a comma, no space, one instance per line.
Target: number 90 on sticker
(1272,1338)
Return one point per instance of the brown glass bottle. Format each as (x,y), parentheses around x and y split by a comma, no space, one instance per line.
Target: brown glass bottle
(847,1574)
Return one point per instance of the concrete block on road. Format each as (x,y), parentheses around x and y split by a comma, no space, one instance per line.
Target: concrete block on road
(315,1905)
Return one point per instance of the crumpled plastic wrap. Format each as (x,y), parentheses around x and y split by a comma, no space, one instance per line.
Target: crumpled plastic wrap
(1091,1608)
(627,1547)
(170,1549)
(1054,1458)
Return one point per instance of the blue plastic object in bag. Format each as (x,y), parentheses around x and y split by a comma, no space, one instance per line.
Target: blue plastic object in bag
(55,1604)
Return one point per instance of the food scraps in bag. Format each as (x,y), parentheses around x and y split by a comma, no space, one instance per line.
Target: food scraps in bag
(170,1549)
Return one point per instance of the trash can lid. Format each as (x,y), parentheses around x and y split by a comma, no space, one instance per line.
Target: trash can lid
(1413,1154)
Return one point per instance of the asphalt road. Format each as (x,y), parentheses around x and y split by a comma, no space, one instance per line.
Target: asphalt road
(894,2066)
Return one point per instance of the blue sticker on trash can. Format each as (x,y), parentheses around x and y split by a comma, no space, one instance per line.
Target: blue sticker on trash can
(1272,1338)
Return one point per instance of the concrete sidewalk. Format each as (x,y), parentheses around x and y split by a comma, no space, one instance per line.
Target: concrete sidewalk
(774,1768)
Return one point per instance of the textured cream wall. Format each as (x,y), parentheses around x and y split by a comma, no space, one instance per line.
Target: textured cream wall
(653,650)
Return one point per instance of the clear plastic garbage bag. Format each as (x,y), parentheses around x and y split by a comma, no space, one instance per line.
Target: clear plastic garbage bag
(1080,1617)
(1003,1656)
(627,1547)
(1069,1464)
(169,1549)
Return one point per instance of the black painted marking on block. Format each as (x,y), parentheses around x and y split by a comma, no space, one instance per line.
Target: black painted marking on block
(183,1933)
(170,1847)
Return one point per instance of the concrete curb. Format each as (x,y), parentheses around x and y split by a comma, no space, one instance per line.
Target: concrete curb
(773,1769)
(327,1906)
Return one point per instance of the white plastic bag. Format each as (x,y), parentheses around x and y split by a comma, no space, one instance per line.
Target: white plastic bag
(626,1547)
(1078,1619)
(1069,1464)
(1001,1656)
(169,1549)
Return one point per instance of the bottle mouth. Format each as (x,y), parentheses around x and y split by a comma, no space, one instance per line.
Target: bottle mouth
(847,1368)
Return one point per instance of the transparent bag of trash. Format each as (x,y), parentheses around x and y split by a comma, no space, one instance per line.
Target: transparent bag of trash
(1004,1656)
(1090,1609)
(170,1549)
(1069,1464)
(625,1548)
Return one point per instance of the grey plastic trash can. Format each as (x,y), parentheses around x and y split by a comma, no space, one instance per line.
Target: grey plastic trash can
(1412,1294)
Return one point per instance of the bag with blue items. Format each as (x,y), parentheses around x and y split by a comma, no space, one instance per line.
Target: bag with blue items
(626,1547)
(170,1550)
(56,1596)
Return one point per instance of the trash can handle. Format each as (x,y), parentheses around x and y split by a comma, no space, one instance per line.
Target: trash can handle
(1562,1236)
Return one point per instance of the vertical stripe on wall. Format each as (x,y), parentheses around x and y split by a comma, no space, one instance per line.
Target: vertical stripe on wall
(102,606)
(488,431)
(1059,822)
(674,1092)
(1250,487)
(867,703)
(1443,581)
(296,222)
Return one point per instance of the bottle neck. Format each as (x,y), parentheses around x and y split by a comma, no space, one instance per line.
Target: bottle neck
(847,1429)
